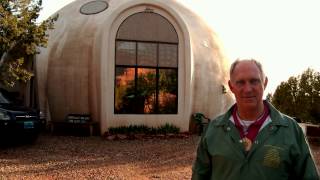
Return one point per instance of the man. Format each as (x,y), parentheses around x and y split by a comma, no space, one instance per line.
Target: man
(253,140)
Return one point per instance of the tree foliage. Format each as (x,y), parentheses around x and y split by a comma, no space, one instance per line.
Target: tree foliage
(20,35)
(300,96)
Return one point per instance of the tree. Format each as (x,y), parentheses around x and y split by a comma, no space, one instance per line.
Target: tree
(20,35)
(284,97)
(269,97)
(300,96)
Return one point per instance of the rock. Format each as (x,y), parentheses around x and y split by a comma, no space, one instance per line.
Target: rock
(111,137)
(138,136)
(122,136)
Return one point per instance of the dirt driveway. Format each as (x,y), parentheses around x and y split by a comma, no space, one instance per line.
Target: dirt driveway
(58,157)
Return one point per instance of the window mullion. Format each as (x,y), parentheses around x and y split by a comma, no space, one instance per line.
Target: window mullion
(136,73)
(157,82)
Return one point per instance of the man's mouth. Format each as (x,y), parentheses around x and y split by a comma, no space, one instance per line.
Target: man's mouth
(248,97)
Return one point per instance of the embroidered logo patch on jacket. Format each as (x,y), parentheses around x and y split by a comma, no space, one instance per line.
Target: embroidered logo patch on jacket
(272,156)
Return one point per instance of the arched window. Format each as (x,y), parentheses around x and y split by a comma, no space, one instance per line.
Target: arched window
(146,66)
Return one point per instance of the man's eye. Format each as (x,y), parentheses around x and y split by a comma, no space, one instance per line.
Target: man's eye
(239,83)
(254,81)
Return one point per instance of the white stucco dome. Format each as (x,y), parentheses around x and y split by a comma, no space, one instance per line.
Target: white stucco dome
(76,72)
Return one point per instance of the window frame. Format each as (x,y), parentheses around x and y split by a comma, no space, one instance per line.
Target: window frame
(157,68)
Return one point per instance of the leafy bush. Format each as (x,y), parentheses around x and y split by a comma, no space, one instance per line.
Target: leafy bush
(143,129)
(168,128)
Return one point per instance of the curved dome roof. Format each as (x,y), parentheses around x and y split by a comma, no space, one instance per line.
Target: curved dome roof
(76,70)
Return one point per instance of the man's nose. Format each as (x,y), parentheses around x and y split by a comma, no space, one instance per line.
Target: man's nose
(247,87)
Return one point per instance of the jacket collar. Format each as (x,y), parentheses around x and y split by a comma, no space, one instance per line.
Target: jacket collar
(277,118)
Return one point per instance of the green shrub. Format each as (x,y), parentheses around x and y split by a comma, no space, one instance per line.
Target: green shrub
(143,129)
(168,128)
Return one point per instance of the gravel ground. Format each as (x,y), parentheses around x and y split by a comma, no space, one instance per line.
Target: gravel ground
(316,154)
(64,157)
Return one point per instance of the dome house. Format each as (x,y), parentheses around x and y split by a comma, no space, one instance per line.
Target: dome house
(132,62)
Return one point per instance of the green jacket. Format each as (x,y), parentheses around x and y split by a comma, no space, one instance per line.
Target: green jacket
(279,152)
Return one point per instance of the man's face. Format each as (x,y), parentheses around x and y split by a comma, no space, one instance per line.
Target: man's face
(246,83)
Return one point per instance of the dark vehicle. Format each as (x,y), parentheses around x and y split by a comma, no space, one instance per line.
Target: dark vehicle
(17,122)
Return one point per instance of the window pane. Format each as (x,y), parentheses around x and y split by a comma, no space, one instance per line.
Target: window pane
(126,53)
(168,55)
(146,90)
(124,90)
(168,91)
(147,54)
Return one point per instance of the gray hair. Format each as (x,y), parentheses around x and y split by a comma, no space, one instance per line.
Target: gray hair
(257,63)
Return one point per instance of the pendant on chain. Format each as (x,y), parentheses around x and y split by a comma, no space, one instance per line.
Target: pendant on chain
(247,144)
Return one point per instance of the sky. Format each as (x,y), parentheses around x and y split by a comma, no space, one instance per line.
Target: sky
(284,35)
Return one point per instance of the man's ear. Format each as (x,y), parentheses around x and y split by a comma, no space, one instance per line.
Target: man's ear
(230,86)
(265,82)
